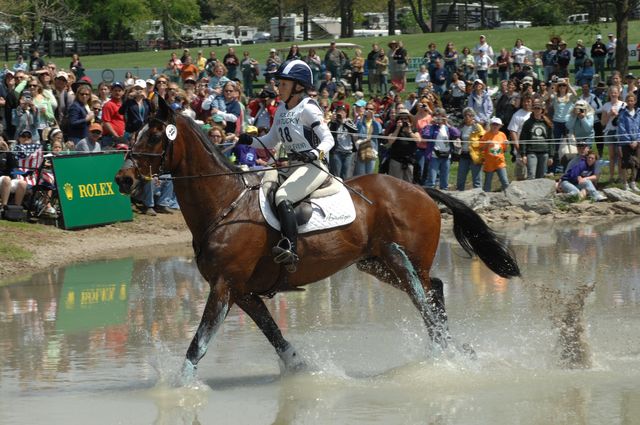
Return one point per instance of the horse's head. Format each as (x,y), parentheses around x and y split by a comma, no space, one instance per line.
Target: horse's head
(151,149)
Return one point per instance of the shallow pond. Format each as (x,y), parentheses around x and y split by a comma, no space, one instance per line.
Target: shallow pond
(102,342)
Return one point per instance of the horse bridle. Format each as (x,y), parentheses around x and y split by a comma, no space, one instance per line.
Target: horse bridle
(167,148)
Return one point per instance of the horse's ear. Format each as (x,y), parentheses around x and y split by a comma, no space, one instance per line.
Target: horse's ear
(164,112)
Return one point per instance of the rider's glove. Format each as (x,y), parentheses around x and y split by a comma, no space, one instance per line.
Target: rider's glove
(307,156)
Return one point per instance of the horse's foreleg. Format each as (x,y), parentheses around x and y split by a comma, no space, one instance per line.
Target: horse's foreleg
(257,310)
(214,314)
(429,301)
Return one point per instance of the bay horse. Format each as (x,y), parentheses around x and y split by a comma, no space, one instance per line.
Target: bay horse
(394,239)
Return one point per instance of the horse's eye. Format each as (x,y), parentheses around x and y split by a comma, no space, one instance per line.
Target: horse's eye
(155,138)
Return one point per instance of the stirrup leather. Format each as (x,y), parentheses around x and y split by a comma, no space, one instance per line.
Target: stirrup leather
(283,253)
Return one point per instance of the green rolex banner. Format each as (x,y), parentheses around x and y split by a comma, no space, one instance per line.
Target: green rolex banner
(87,189)
(94,294)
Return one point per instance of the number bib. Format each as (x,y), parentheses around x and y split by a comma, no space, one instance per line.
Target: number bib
(294,126)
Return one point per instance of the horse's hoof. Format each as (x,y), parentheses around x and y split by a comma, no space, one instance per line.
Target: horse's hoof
(187,374)
(468,351)
(292,362)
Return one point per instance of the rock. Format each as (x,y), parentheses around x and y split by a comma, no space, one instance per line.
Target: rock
(477,199)
(614,194)
(626,207)
(533,195)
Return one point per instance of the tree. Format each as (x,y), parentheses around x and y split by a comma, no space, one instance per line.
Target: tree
(623,9)
(174,15)
(31,19)
(417,8)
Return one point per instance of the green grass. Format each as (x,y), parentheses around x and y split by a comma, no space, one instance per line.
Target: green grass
(12,252)
(416,44)
(12,232)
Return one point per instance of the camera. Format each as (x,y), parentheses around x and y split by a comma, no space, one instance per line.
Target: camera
(578,110)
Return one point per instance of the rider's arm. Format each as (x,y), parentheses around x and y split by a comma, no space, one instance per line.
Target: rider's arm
(313,117)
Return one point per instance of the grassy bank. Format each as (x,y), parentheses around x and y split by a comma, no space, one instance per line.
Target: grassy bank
(416,44)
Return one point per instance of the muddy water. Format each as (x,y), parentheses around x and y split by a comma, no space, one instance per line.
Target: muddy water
(101,343)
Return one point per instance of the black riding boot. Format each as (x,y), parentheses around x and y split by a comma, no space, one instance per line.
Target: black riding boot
(285,252)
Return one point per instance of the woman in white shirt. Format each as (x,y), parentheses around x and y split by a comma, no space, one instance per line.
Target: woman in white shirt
(610,112)
(422,78)
(520,52)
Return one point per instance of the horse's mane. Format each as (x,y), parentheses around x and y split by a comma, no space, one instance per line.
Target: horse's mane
(210,147)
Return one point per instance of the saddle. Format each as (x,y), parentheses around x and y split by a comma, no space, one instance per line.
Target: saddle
(304,208)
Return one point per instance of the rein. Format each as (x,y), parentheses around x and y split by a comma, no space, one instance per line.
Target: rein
(197,245)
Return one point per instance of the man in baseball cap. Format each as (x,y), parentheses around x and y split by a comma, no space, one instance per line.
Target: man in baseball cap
(92,142)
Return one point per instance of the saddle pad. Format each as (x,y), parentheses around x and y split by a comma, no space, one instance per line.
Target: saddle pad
(328,212)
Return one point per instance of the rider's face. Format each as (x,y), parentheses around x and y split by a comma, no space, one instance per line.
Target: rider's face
(285,88)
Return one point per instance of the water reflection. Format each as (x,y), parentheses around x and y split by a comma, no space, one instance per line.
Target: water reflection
(122,326)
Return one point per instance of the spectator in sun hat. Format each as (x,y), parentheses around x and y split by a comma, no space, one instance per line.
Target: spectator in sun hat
(611,50)
(92,142)
(112,120)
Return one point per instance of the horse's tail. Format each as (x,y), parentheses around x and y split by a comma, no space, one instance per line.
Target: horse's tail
(475,236)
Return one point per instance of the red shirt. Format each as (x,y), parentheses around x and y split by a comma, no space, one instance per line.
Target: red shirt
(111,115)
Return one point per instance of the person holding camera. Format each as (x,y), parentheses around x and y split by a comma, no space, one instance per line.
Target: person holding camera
(26,117)
(439,135)
(369,128)
(537,152)
(344,133)
(263,108)
(402,145)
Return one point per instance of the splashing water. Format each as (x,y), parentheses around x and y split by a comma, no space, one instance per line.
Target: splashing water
(566,312)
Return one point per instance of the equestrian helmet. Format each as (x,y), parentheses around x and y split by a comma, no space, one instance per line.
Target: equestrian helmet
(296,70)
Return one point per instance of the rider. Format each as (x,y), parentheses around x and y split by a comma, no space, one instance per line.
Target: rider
(298,124)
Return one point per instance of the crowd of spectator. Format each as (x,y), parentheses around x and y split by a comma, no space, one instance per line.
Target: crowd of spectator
(541,115)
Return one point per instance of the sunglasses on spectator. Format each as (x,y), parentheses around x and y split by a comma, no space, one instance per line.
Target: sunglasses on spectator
(96,132)
(34,85)
(229,91)
(161,82)
(370,109)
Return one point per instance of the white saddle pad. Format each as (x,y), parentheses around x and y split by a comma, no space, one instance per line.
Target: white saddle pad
(328,212)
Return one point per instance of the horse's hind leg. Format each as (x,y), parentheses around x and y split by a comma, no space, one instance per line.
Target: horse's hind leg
(215,311)
(257,310)
(429,301)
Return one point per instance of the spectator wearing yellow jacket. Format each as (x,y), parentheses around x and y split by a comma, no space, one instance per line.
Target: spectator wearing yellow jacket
(470,158)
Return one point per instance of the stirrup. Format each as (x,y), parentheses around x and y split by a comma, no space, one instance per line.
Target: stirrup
(284,254)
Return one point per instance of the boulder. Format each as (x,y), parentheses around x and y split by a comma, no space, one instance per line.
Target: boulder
(618,195)
(477,199)
(532,195)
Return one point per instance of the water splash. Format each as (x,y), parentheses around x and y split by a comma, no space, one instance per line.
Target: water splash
(566,312)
